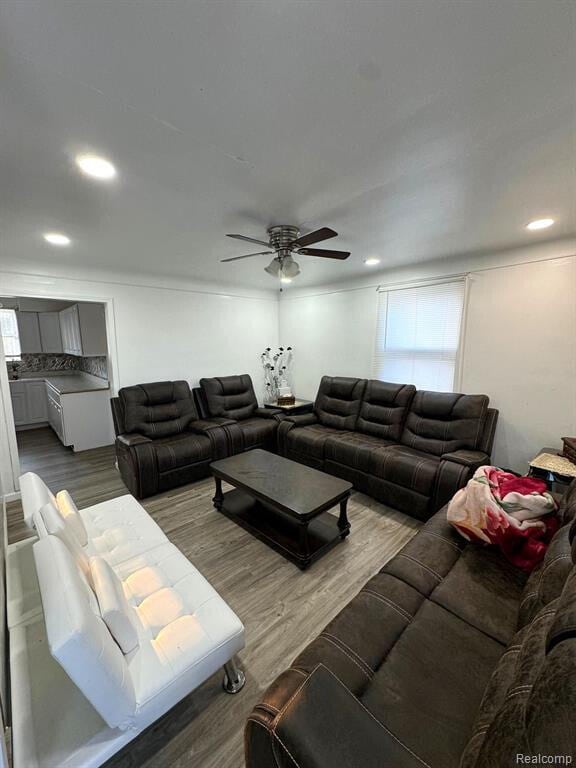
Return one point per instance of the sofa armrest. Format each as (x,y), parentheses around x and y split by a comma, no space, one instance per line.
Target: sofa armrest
(324,725)
(302,419)
(202,426)
(472,459)
(454,471)
(268,413)
(134,438)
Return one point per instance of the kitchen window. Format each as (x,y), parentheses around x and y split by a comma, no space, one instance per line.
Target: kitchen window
(10,336)
(418,335)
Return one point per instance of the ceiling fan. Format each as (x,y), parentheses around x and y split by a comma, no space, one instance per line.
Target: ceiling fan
(285,241)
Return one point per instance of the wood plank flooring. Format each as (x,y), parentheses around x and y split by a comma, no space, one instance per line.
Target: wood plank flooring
(282,608)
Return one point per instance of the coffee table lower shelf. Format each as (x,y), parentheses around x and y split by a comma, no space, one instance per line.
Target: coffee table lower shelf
(302,543)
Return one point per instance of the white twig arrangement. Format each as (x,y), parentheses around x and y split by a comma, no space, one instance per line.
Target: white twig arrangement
(277,370)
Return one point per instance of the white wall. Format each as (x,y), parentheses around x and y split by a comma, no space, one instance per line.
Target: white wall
(162,332)
(519,347)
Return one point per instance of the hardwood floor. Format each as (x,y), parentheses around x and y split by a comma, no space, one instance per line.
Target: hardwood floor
(282,607)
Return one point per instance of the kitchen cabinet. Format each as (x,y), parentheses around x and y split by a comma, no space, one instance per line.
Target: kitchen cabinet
(29,332)
(83,330)
(50,335)
(29,403)
(18,395)
(80,419)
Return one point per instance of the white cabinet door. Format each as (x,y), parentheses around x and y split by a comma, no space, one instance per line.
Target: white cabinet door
(92,323)
(75,331)
(66,328)
(50,335)
(29,331)
(36,403)
(19,404)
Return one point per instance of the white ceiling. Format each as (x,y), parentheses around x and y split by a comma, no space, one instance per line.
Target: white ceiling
(415,128)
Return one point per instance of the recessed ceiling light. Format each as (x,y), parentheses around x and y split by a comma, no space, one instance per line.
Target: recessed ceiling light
(96,167)
(371,262)
(57,238)
(539,224)
(285,279)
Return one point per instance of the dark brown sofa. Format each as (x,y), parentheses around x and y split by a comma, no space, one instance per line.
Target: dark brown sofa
(161,442)
(410,449)
(448,657)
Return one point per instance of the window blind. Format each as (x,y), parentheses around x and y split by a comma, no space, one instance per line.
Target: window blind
(418,335)
(9,333)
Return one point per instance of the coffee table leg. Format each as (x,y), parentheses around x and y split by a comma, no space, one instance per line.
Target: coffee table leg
(304,547)
(218,499)
(343,523)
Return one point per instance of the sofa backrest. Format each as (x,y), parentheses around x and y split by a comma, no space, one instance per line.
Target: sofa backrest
(529,704)
(231,397)
(158,409)
(35,493)
(384,409)
(79,639)
(338,401)
(442,422)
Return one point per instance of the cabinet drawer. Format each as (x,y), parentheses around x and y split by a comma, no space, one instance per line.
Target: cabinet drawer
(53,394)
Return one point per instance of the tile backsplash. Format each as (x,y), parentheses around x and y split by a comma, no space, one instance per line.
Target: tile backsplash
(30,363)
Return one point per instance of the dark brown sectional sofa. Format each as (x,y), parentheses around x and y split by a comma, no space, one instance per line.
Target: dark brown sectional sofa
(448,657)
(409,449)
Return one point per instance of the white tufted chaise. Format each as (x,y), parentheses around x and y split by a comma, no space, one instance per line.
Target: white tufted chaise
(184,631)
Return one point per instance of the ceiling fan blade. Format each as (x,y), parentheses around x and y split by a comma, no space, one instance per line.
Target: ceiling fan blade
(250,240)
(326,254)
(247,256)
(315,237)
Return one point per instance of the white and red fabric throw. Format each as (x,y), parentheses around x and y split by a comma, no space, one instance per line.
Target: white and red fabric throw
(514,513)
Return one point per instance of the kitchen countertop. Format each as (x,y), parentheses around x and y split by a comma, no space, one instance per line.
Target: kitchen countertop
(67,382)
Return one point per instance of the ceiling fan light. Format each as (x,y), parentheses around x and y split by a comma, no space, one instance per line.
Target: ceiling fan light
(273,268)
(290,268)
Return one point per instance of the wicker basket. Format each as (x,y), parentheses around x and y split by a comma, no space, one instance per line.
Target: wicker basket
(286,400)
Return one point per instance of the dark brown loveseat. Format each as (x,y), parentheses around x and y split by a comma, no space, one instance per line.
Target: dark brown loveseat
(409,449)
(162,442)
(448,657)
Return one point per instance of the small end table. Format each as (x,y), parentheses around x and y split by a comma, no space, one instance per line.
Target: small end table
(298,406)
(557,483)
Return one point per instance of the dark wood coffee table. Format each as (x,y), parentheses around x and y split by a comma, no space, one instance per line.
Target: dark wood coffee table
(283,503)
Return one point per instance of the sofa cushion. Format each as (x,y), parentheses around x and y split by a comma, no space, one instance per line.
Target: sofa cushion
(384,409)
(78,637)
(69,512)
(35,493)
(442,422)
(353,449)
(230,396)
(114,608)
(338,401)
(258,432)
(428,690)
(55,525)
(180,450)
(309,442)
(405,466)
(158,409)
(483,589)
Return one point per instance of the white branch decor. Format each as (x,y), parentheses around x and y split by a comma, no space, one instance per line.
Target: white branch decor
(277,371)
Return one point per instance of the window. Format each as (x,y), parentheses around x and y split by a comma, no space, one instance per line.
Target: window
(418,335)
(10,336)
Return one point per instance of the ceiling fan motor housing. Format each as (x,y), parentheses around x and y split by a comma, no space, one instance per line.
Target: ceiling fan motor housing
(281,236)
